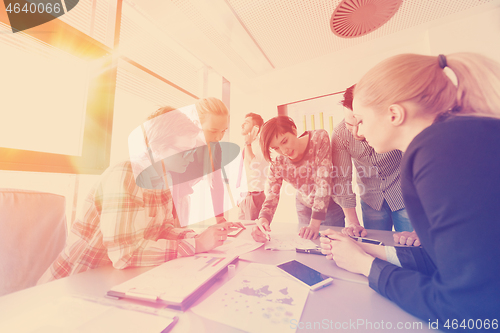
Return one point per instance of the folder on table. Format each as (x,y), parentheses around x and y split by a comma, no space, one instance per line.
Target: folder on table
(176,283)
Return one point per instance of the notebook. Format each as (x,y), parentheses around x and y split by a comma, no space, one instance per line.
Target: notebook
(176,283)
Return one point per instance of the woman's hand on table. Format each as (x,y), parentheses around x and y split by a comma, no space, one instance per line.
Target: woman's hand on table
(354,230)
(406,238)
(346,252)
(311,231)
(257,234)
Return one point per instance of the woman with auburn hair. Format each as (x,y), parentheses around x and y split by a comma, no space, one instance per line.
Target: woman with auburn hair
(304,162)
(449,135)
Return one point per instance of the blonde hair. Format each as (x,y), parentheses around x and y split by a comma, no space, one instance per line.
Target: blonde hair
(420,79)
(166,127)
(210,105)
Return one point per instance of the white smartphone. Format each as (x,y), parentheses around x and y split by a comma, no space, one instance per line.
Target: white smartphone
(367,240)
(305,274)
(255,130)
(234,231)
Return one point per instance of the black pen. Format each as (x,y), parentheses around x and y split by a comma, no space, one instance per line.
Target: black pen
(322,235)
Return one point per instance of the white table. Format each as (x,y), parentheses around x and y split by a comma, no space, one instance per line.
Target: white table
(353,306)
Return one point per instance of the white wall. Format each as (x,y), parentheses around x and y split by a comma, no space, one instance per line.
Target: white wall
(477,33)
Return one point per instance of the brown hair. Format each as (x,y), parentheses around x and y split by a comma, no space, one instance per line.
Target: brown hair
(348,97)
(256,119)
(271,129)
(421,79)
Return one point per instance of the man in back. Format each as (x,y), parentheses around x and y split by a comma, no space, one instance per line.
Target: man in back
(256,168)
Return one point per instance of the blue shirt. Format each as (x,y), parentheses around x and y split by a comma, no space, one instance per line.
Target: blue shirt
(451,188)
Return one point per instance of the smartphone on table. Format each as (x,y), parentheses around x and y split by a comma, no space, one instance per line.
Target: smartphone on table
(234,231)
(316,250)
(306,275)
(359,239)
(367,240)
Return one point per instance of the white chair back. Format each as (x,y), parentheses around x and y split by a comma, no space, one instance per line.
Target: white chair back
(32,234)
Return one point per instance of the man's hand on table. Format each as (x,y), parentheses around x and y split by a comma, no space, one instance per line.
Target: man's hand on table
(355,230)
(406,238)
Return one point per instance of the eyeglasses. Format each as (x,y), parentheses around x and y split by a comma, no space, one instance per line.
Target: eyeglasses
(188,153)
(184,153)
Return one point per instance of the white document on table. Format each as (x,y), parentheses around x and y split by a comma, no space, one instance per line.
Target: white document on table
(72,314)
(288,241)
(234,247)
(260,298)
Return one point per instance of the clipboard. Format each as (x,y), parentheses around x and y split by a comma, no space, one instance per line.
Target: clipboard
(176,283)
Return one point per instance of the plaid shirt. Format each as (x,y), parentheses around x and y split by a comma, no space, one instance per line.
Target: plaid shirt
(123,224)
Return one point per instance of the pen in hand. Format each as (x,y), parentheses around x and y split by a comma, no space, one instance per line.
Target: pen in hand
(261,228)
(323,235)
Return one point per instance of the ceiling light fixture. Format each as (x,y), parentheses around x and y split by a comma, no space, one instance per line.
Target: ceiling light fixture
(355,18)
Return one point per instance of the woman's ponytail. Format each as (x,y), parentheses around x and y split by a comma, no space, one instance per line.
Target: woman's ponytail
(478,84)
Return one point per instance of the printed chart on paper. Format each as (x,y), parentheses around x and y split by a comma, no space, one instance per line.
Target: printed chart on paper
(260,298)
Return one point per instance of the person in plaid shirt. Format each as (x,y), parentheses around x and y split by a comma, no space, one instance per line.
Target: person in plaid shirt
(126,224)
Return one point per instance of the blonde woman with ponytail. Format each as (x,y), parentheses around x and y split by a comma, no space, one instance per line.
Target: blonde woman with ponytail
(450,136)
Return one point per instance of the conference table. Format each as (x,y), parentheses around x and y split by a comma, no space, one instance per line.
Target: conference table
(347,305)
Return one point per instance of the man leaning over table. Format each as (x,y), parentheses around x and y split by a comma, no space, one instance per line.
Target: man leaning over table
(378,178)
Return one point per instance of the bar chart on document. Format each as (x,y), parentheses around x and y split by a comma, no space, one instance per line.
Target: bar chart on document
(260,298)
